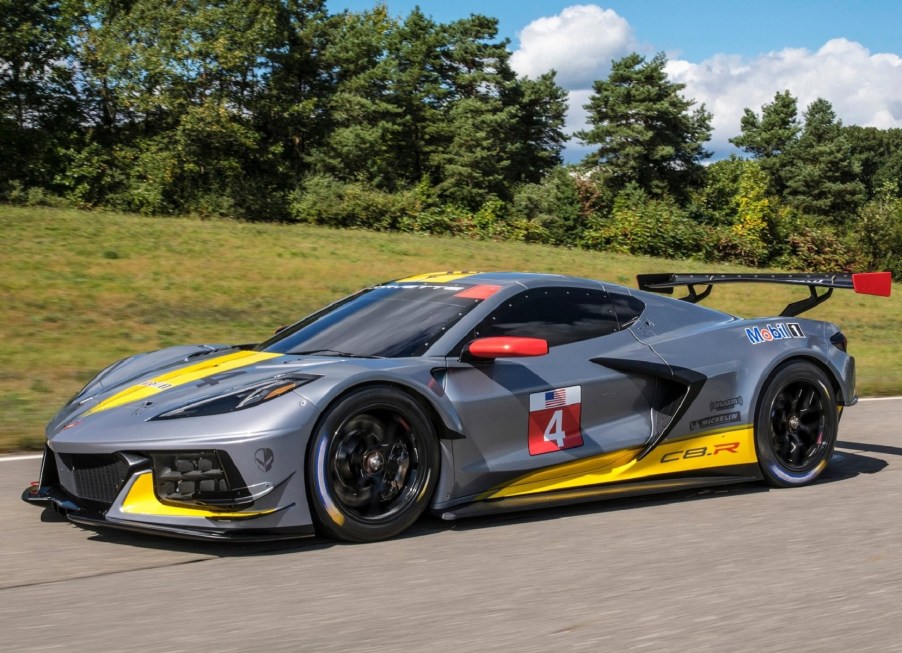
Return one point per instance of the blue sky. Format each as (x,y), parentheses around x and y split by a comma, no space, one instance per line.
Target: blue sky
(730,55)
(698,29)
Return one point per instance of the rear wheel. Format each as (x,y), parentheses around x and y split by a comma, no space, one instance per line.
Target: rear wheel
(796,425)
(373,465)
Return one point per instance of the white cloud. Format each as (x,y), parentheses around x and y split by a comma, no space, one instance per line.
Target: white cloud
(864,89)
(580,42)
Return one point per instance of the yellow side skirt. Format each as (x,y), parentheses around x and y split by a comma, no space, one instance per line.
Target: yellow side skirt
(722,448)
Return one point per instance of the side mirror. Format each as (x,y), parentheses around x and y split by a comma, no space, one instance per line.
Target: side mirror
(506,347)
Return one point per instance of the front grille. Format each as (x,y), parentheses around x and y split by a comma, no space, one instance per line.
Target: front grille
(96,477)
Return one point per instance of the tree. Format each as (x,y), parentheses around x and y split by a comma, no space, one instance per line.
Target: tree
(767,138)
(646,132)
(474,125)
(359,117)
(537,133)
(290,104)
(878,154)
(820,176)
(420,91)
(38,114)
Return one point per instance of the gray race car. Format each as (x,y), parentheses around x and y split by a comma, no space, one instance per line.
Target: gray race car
(461,393)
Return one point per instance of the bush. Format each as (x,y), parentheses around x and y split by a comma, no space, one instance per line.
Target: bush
(16,193)
(650,227)
(92,175)
(324,200)
(549,211)
(819,248)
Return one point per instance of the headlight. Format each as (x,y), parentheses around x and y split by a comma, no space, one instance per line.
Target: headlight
(242,398)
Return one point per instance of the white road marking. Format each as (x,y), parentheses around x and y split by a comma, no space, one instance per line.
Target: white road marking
(12,459)
(880,399)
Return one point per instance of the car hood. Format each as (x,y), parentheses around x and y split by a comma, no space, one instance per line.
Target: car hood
(138,389)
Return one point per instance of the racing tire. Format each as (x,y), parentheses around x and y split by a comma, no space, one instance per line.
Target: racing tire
(372,465)
(796,425)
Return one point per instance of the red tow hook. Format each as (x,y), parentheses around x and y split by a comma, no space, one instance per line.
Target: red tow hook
(33,487)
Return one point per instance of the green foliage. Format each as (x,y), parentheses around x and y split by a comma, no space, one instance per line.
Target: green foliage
(17,194)
(818,248)
(647,226)
(549,211)
(646,132)
(878,233)
(821,177)
(769,137)
(328,201)
(754,216)
(877,154)
(538,137)
(92,174)
(716,203)
(38,111)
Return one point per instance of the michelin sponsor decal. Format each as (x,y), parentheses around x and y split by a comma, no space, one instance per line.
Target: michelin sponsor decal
(714,420)
(770,333)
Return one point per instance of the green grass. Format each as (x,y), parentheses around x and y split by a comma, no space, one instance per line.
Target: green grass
(79,290)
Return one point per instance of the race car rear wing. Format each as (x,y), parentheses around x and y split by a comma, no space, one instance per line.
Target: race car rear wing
(868,283)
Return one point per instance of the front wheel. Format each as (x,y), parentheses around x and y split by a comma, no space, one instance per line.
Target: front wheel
(796,425)
(373,465)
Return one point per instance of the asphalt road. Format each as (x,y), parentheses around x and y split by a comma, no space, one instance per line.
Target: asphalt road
(739,569)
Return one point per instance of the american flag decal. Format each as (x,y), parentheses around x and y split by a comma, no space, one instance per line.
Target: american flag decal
(556,398)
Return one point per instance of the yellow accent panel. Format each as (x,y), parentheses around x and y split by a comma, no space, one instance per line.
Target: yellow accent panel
(182,376)
(437,277)
(722,448)
(142,500)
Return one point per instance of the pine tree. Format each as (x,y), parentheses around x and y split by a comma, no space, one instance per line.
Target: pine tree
(474,126)
(767,138)
(646,132)
(359,117)
(537,133)
(820,175)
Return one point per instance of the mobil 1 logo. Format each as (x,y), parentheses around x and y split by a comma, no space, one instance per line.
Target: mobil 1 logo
(773,332)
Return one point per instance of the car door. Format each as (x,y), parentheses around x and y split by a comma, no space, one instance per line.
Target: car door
(523,414)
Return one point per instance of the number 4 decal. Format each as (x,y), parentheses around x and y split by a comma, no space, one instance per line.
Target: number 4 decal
(554,420)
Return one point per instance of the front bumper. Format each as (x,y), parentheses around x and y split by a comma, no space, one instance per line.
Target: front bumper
(132,504)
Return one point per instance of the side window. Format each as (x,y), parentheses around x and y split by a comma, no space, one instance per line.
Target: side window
(627,308)
(559,315)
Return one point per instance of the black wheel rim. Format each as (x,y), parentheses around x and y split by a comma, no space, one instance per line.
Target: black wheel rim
(375,471)
(798,418)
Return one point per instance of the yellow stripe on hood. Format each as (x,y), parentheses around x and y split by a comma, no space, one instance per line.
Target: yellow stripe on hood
(182,376)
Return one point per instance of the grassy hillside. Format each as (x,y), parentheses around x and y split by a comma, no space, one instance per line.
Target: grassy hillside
(80,290)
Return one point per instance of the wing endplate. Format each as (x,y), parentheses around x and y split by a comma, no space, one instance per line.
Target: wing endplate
(873,283)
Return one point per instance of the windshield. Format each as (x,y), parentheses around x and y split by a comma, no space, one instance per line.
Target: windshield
(391,321)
